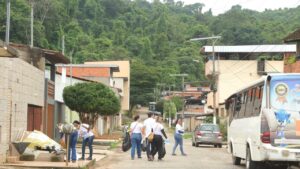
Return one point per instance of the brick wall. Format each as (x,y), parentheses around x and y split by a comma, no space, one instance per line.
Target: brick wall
(292,68)
(20,84)
(87,71)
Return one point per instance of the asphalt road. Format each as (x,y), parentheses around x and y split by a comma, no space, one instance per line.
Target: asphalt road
(203,157)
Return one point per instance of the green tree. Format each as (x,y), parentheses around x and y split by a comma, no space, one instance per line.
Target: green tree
(169,109)
(143,78)
(179,102)
(91,100)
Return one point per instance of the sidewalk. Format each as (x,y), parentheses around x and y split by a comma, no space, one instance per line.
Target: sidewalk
(99,152)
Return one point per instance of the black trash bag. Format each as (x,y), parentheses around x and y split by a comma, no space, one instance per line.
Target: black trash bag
(144,146)
(163,152)
(126,145)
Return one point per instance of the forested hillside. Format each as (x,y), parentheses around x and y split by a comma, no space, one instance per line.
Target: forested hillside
(154,36)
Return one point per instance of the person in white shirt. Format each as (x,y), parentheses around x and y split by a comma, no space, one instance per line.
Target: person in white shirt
(178,137)
(87,139)
(148,127)
(136,137)
(158,142)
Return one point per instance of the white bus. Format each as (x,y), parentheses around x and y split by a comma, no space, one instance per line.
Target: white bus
(264,122)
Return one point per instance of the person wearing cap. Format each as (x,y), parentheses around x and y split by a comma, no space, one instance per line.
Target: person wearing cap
(148,128)
(87,139)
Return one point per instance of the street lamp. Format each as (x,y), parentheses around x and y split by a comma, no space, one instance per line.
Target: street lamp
(214,40)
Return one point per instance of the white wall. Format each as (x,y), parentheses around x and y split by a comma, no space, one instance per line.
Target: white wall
(20,84)
(119,83)
(61,83)
(235,74)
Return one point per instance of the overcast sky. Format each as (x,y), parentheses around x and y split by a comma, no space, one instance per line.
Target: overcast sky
(221,6)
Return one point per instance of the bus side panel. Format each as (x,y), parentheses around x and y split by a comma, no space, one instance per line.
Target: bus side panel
(237,132)
(254,140)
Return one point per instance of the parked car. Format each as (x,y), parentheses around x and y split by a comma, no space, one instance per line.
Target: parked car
(207,134)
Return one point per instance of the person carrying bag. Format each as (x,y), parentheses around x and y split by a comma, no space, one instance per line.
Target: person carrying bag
(148,130)
(136,137)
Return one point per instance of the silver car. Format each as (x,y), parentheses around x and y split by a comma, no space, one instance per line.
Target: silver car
(207,134)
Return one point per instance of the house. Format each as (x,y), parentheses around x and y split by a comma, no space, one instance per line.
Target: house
(22,88)
(120,80)
(194,106)
(62,113)
(236,66)
(44,59)
(96,73)
(292,62)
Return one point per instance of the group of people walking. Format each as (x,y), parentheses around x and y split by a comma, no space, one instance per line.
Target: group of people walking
(154,137)
(81,130)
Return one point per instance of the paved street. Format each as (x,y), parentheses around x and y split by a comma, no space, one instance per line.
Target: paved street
(205,157)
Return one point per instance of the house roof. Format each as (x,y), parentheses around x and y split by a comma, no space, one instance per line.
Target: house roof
(123,65)
(88,80)
(294,36)
(251,49)
(114,67)
(52,56)
(78,78)
(55,56)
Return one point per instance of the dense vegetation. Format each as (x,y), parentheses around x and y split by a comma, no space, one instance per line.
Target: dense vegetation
(154,36)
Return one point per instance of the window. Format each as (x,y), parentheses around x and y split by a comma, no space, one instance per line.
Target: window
(231,108)
(237,107)
(209,128)
(243,105)
(258,101)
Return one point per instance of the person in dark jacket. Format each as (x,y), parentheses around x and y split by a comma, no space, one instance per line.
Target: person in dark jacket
(158,141)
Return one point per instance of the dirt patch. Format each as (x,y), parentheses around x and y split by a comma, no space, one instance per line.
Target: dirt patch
(113,158)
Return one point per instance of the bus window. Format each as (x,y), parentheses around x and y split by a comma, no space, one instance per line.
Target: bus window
(237,107)
(258,101)
(243,105)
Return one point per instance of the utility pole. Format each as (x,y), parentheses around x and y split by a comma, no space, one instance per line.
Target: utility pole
(182,81)
(63,44)
(214,82)
(181,75)
(31,25)
(214,40)
(71,67)
(7,22)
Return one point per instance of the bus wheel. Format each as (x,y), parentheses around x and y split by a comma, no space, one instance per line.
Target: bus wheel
(249,163)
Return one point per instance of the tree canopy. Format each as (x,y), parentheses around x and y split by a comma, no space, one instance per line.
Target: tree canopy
(91,100)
